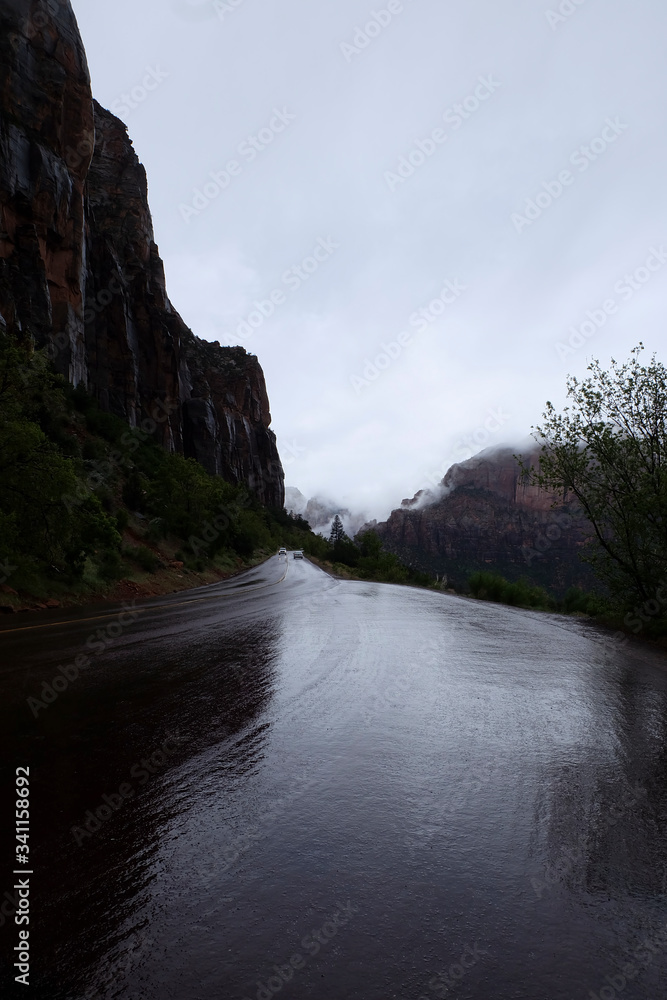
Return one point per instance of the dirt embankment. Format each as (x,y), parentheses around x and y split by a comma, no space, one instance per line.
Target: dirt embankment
(167,579)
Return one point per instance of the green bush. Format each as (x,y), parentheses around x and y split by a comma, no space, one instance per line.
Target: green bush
(366,557)
(122,520)
(105,425)
(577,600)
(105,497)
(146,558)
(135,489)
(157,529)
(492,587)
(111,565)
(93,449)
(80,398)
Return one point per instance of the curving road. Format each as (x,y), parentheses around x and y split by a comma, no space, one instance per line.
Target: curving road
(289,785)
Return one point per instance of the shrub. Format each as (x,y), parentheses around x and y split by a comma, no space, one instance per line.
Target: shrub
(93,449)
(577,600)
(122,519)
(492,587)
(134,491)
(146,558)
(106,425)
(111,565)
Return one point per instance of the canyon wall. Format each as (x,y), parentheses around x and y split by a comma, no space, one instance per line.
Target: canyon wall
(486,518)
(80,272)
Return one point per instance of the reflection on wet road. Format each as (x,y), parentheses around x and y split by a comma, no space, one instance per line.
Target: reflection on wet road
(287,785)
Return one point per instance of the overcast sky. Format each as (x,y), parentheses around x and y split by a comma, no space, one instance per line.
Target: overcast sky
(402,142)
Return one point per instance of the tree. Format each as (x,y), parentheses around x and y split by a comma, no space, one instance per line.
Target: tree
(341,547)
(608,449)
(337,533)
(50,522)
(370,544)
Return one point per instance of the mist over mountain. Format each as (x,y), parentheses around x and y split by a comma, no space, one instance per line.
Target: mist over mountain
(320,511)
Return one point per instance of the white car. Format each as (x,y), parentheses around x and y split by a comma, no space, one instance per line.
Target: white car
(282,552)
(298,554)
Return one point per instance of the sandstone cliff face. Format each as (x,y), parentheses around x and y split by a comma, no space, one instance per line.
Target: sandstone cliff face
(132,333)
(80,270)
(46,143)
(226,417)
(487,519)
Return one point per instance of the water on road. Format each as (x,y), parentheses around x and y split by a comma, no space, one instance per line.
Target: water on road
(291,786)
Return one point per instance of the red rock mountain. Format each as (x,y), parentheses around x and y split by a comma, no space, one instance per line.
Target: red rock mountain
(80,270)
(486,518)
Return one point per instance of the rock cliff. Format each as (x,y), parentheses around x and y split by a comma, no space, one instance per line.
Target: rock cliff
(80,272)
(486,518)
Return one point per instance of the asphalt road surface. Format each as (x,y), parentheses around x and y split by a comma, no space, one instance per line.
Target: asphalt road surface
(287,785)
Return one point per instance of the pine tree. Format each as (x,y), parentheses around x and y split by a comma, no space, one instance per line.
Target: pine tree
(337,531)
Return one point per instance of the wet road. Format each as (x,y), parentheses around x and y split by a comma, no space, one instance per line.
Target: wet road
(291,786)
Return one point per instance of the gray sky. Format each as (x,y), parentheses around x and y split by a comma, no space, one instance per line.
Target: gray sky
(350,143)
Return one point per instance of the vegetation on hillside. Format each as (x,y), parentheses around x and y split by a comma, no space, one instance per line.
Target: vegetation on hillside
(365,558)
(524,594)
(608,451)
(86,501)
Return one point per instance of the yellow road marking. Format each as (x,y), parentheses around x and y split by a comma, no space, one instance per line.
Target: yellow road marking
(158,607)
